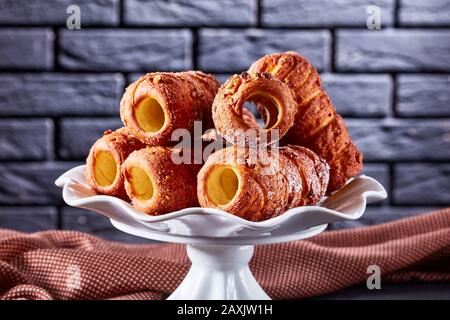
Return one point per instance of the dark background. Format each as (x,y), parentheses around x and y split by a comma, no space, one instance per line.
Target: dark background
(60,88)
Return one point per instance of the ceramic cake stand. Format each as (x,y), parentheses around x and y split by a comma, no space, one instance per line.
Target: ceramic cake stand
(219,244)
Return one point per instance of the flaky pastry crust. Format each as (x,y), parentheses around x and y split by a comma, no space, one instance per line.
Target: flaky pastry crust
(119,144)
(279,179)
(173,186)
(233,121)
(317,125)
(176,100)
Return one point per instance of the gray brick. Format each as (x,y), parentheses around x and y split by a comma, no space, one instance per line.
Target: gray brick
(225,50)
(60,94)
(422,184)
(26,49)
(354,95)
(393,50)
(134,76)
(125,50)
(26,139)
(28,219)
(423,95)
(78,135)
(381,214)
(95,224)
(380,172)
(190,12)
(323,13)
(402,140)
(424,12)
(360,95)
(26,12)
(31,183)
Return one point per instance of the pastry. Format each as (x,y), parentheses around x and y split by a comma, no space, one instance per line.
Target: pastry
(158,103)
(233,123)
(105,160)
(260,186)
(317,125)
(156,185)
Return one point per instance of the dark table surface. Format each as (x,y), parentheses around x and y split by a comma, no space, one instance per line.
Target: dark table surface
(402,291)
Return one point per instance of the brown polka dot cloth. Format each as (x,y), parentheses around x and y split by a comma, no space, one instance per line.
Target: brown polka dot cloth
(73,265)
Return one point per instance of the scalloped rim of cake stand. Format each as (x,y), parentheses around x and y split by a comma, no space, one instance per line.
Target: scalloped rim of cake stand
(190,225)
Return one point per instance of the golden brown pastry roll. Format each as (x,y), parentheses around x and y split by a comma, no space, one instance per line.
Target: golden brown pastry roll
(276,101)
(156,185)
(158,103)
(264,185)
(105,159)
(317,125)
(247,116)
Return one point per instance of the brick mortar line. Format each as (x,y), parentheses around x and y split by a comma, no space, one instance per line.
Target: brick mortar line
(394,97)
(333,50)
(56,139)
(258,4)
(53,136)
(126,73)
(56,49)
(233,27)
(195,48)
(121,12)
(396,13)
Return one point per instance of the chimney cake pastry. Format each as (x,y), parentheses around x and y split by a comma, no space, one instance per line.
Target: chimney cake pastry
(263,185)
(105,160)
(232,120)
(317,125)
(158,103)
(156,185)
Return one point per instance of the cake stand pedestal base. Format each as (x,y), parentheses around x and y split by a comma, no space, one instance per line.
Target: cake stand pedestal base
(219,272)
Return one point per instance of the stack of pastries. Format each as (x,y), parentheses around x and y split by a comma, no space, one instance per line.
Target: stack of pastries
(316,156)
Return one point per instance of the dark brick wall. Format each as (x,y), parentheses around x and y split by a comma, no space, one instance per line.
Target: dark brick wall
(59,88)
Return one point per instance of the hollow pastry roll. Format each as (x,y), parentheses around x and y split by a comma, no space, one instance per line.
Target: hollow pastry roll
(274,97)
(105,159)
(317,125)
(158,103)
(263,186)
(156,185)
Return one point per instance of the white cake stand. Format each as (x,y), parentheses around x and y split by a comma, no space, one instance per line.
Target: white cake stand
(219,244)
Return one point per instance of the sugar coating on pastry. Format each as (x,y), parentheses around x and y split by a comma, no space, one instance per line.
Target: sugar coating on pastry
(262,186)
(156,185)
(273,98)
(105,159)
(159,103)
(316,125)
